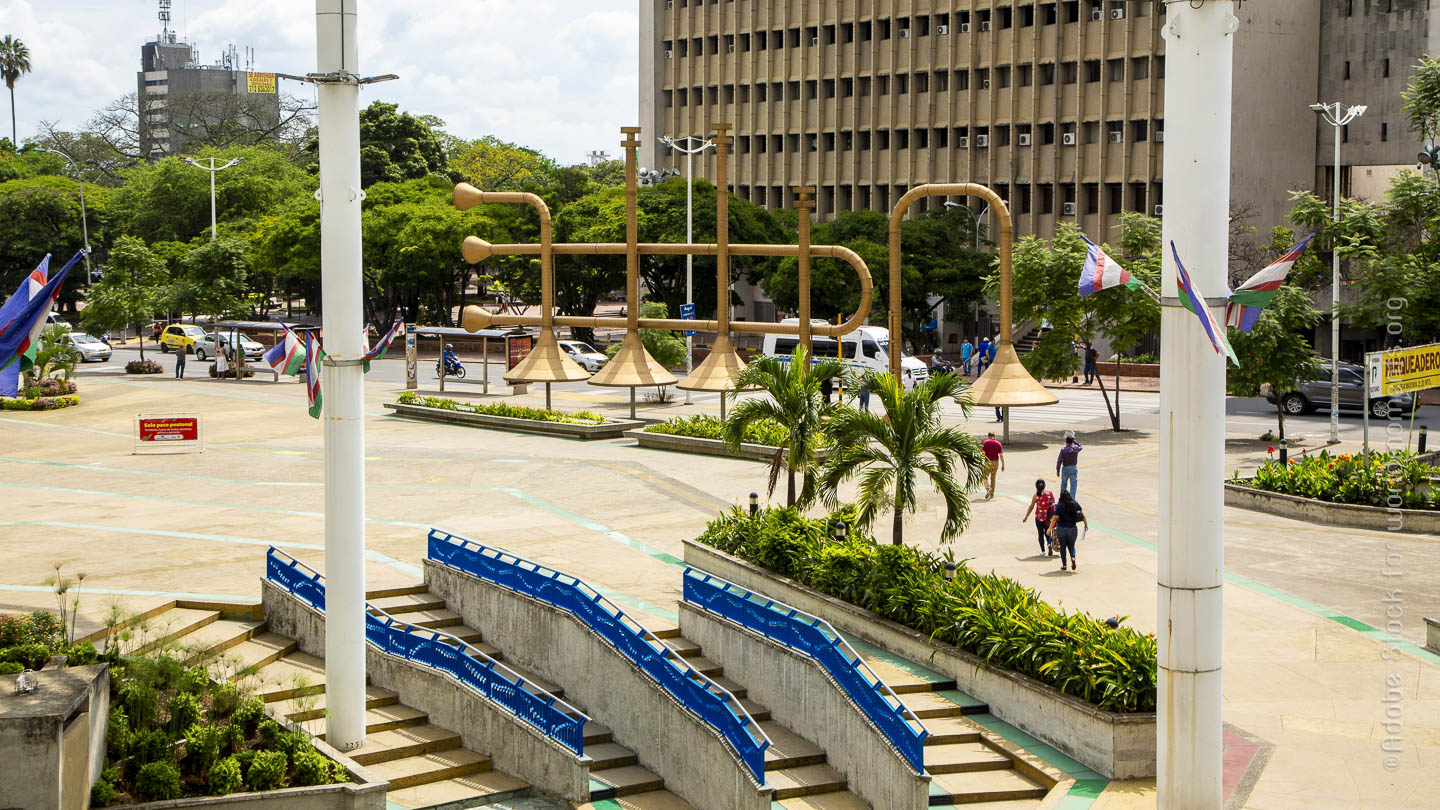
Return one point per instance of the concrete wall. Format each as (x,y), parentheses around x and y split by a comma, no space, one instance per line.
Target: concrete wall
(1432,634)
(50,734)
(515,747)
(1377,518)
(604,430)
(695,761)
(1118,746)
(803,696)
(325,797)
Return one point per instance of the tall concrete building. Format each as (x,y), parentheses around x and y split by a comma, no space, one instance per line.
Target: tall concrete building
(1059,106)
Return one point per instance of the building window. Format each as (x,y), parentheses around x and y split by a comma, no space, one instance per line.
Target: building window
(744,43)
(1137,197)
(812,35)
(829,35)
(829,88)
(1386,69)
(864,85)
(962,80)
(1114,131)
(1047,134)
(794,37)
(922,82)
(902,83)
(760,92)
(1069,72)
(847,33)
(1139,130)
(1384,131)
(1047,74)
(922,139)
(812,143)
(922,26)
(1002,76)
(1027,75)
(1091,131)
(882,139)
(942,19)
(742,144)
(883,85)
(729,94)
(682,97)
(942,81)
(1140,68)
(942,138)
(744,94)
(1027,16)
(864,140)
(762,42)
(1117,70)
(712,43)
(1002,135)
(669,96)
(777,143)
(982,77)
(884,26)
(1023,201)
(865,31)
(1007,17)
(1092,71)
(812,89)
(1347,70)
(1072,11)
(777,40)
(712,94)
(1092,198)
(1047,199)
(902,139)
(1160,67)
(847,87)
(792,93)
(792,142)
(847,141)
(684,49)
(1047,14)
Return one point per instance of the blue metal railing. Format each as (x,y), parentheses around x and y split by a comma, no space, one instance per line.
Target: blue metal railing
(552,716)
(815,638)
(697,693)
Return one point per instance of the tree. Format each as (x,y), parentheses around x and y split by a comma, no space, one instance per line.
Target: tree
(40,215)
(215,276)
(394,146)
(54,356)
(1277,352)
(213,120)
(888,453)
(1422,99)
(495,165)
(793,399)
(126,294)
(14,63)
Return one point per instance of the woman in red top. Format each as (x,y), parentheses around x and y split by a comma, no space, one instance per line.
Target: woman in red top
(1043,505)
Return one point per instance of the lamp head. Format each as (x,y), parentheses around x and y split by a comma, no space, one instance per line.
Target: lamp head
(1358,111)
(476,250)
(1423,158)
(1319,108)
(467,196)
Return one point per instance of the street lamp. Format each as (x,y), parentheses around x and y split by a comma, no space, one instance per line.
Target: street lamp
(976,217)
(84,218)
(1429,156)
(1337,115)
(213,169)
(690,152)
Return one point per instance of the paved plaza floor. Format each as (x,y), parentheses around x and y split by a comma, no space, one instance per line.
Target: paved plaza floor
(1306,672)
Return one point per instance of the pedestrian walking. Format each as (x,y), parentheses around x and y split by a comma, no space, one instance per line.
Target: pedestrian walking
(1067,464)
(1065,523)
(982,357)
(967,353)
(1042,503)
(826,388)
(179,362)
(864,400)
(1092,357)
(994,461)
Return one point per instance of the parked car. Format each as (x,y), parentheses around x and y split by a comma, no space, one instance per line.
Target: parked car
(54,319)
(205,346)
(584,354)
(1315,394)
(89,347)
(180,336)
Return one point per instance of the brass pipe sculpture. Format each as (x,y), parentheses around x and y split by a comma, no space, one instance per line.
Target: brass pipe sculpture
(803,206)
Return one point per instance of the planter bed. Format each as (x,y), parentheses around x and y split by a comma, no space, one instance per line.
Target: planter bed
(704,447)
(604,430)
(1119,746)
(1355,516)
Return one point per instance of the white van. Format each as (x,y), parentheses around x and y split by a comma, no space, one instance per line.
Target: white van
(865,349)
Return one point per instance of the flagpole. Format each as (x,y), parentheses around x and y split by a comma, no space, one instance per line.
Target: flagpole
(1190,560)
(338,90)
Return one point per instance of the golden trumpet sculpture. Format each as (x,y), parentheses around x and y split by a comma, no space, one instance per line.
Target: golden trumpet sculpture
(1006,383)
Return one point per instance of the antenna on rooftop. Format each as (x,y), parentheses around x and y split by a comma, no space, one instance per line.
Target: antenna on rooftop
(165,20)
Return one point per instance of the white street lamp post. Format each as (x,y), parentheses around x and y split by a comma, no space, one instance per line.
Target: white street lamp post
(977,218)
(690,153)
(1190,561)
(84,218)
(1337,115)
(213,170)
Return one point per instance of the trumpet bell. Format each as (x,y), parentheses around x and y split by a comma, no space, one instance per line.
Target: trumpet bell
(1007,383)
(545,363)
(718,371)
(632,367)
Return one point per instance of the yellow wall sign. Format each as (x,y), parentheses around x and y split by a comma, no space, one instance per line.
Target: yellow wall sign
(260,82)
(1401,371)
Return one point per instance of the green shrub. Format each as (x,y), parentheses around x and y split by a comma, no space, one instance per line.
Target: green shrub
(766,431)
(249,714)
(224,700)
(14,631)
(269,731)
(30,656)
(11,668)
(80,655)
(501,409)
(184,710)
(292,743)
(139,701)
(225,777)
(117,734)
(39,403)
(102,793)
(158,781)
(202,746)
(246,757)
(312,768)
(994,617)
(151,745)
(1351,479)
(267,770)
(195,681)
(143,367)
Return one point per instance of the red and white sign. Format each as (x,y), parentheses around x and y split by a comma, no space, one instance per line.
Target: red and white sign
(168,433)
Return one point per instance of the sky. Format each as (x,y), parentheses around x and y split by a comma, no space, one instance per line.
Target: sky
(557,75)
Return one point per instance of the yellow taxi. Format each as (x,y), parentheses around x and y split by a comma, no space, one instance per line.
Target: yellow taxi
(181,336)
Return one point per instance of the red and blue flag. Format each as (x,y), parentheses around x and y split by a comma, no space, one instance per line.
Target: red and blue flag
(1191,299)
(1250,300)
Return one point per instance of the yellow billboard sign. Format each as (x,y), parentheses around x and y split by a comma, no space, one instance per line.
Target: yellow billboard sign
(260,82)
(1401,371)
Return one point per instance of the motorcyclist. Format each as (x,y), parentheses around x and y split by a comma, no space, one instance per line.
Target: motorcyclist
(451,360)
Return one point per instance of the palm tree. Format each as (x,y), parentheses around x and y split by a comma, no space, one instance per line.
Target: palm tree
(795,401)
(14,63)
(888,451)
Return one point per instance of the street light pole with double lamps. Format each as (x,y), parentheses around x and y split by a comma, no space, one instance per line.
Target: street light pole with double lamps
(1337,115)
(977,218)
(690,153)
(213,170)
(84,218)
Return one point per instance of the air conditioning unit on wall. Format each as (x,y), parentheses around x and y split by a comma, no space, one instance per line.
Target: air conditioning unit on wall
(1159,210)
(985,84)
(1024,139)
(1096,15)
(730,48)
(982,140)
(904,33)
(942,30)
(814,40)
(1117,13)
(962,142)
(984,25)
(1159,136)
(1068,138)
(1117,137)
(669,54)
(1067,209)
(964,28)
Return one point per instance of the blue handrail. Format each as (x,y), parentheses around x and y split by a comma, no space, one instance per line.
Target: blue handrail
(697,693)
(554,717)
(815,638)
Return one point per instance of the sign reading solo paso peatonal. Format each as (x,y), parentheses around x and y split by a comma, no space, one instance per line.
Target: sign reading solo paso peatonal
(168,433)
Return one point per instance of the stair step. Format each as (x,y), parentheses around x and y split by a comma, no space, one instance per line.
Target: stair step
(534,684)
(682,645)
(758,712)
(472,790)
(609,755)
(428,768)
(174,624)
(254,654)
(220,636)
(928,704)
(610,783)
(400,590)
(400,743)
(947,730)
(664,632)
(393,716)
(964,758)
(595,733)
(436,619)
(704,665)
(982,786)
(806,780)
(730,686)
(292,675)
(902,680)
(405,603)
(788,749)
(839,800)
(300,708)
(651,800)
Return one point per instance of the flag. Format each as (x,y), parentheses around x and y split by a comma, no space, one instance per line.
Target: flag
(1246,303)
(1102,272)
(383,346)
(1192,300)
(287,354)
(29,286)
(24,323)
(313,355)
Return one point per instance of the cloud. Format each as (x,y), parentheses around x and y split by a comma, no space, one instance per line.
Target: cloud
(557,75)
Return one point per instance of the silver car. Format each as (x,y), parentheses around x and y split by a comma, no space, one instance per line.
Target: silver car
(90,348)
(583,353)
(1315,394)
(205,347)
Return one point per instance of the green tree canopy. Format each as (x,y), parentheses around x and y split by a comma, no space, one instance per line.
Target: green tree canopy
(39,215)
(127,292)
(491,164)
(394,146)
(1277,351)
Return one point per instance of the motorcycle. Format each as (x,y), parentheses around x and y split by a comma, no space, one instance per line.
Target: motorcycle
(449,366)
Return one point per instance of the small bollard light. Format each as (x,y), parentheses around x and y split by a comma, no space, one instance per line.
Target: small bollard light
(1424,430)
(754,503)
(839,531)
(1284,452)
(950,568)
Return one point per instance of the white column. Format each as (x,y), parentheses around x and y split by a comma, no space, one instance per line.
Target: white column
(1335,293)
(1199,45)
(344,384)
(689,259)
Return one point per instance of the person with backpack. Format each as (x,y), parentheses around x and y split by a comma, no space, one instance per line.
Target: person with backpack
(1066,522)
(1042,503)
